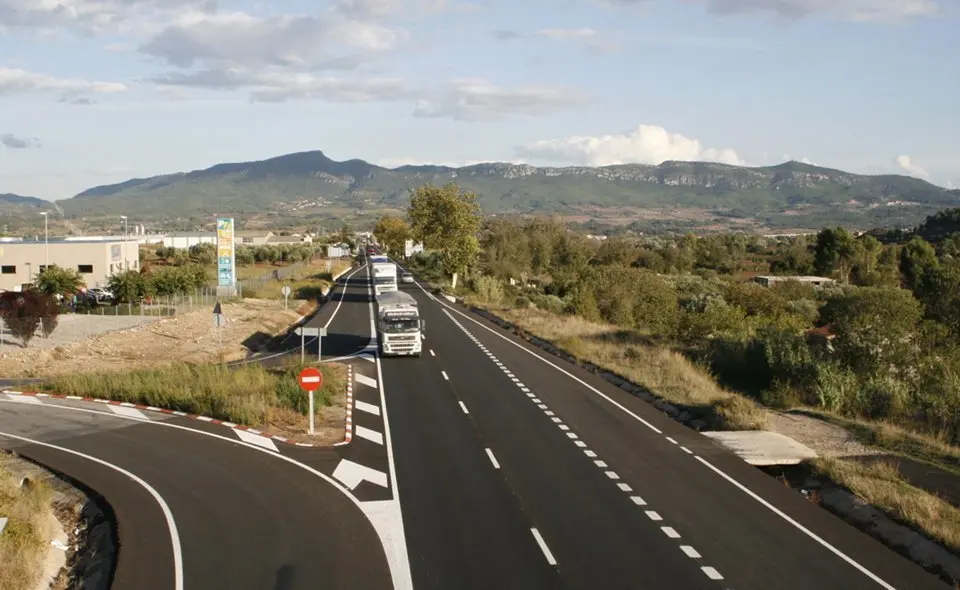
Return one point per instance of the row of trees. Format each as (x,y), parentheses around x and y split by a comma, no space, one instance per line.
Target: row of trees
(206,253)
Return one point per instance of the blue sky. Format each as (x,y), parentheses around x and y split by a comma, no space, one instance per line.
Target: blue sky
(99,91)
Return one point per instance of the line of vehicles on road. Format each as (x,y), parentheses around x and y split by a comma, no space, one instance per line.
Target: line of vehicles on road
(399,326)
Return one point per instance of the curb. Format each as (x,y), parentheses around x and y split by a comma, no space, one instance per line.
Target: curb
(348,434)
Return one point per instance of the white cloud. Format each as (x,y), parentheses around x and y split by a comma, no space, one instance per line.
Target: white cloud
(647,144)
(16,142)
(855,10)
(479,100)
(15,81)
(566,33)
(910,167)
(92,16)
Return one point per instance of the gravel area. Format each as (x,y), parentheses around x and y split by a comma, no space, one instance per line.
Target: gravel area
(828,440)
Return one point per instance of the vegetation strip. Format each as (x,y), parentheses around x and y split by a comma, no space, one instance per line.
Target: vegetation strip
(25,540)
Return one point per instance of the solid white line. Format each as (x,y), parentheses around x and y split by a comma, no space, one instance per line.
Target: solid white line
(690,551)
(492,459)
(445,376)
(464,408)
(711,573)
(557,367)
(670,532)
(368,408)
(624,409)
(799,526)
(167,514)
(543,547)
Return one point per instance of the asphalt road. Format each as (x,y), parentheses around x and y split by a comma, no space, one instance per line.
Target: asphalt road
(513,473)
(244,518)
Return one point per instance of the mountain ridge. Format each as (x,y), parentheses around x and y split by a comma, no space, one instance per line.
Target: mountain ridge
(310,183)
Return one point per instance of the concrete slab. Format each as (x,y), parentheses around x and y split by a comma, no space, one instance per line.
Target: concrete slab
(759,447)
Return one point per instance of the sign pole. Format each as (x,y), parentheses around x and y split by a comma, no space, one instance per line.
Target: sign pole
(311,411)
(303,348)
(319,341)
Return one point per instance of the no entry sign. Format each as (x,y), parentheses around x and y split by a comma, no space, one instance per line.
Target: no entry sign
(311,379)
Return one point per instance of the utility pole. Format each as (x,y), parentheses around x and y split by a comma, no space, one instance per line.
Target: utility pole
(123,218)
(46,241)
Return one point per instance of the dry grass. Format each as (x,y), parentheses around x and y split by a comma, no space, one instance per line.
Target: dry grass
(249,395)
(306,284)
(24,543)
(666,373)
(880,484)
(897,440)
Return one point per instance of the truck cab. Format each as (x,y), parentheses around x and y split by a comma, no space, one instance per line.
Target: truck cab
(399,327)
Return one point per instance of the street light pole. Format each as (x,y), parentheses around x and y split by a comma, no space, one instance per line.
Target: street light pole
(46,241)
(123,218)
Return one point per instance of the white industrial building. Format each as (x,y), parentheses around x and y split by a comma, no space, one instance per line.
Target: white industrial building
(184,240)
(96,260)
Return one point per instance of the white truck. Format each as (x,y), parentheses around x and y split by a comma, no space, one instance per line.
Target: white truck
(399,327)
(384,277)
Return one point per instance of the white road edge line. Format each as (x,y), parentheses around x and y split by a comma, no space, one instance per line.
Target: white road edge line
(799,526)
(543,547)
(633,415)
(167,514)
(492,459)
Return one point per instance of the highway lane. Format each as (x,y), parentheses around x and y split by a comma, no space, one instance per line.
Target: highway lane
(590,528)
(246,519)
(745,542)
(464,527)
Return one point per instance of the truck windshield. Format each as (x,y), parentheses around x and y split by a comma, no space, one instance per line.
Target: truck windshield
(385,280)
(396,326)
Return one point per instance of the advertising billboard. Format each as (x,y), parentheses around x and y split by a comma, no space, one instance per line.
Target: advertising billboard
(226,267)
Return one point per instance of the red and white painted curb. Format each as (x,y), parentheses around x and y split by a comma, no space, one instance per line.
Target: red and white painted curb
(348,428)
(348,433)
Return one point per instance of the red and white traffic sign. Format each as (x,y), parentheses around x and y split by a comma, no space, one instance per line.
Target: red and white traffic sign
(311,379)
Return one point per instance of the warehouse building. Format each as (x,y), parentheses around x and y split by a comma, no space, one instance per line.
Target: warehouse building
(184,240)
(95,260)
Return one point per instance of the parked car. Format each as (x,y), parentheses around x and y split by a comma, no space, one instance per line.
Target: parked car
(99,295)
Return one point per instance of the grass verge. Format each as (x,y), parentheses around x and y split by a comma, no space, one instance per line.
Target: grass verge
(880,485)
(308,283)
(897,440)
(251,394)
(24,542)
(666,373)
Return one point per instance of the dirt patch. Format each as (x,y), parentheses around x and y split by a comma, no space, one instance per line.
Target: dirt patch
(190,337)
(828,440)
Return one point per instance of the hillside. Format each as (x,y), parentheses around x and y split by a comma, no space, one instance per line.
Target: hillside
(310,184)
(10,201)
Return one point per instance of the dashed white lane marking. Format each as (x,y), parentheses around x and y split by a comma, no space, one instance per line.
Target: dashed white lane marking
(687,451)
(368,408)
(127,411)
(711,573)
(432,353)
(23,399)
(445,376)
(364,380)
(464,408)
(353,474)
(690,551)
(543,547)
(653,515)
(256,439)
(371,435)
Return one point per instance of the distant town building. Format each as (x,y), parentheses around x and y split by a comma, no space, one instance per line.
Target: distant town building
(184,240)
(768,280)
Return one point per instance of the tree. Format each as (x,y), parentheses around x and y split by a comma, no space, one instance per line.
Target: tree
(55,280)
(393,232)
(129,286)
(446,219)
(26,311)
(203,253)
(917,258)
(835,252)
